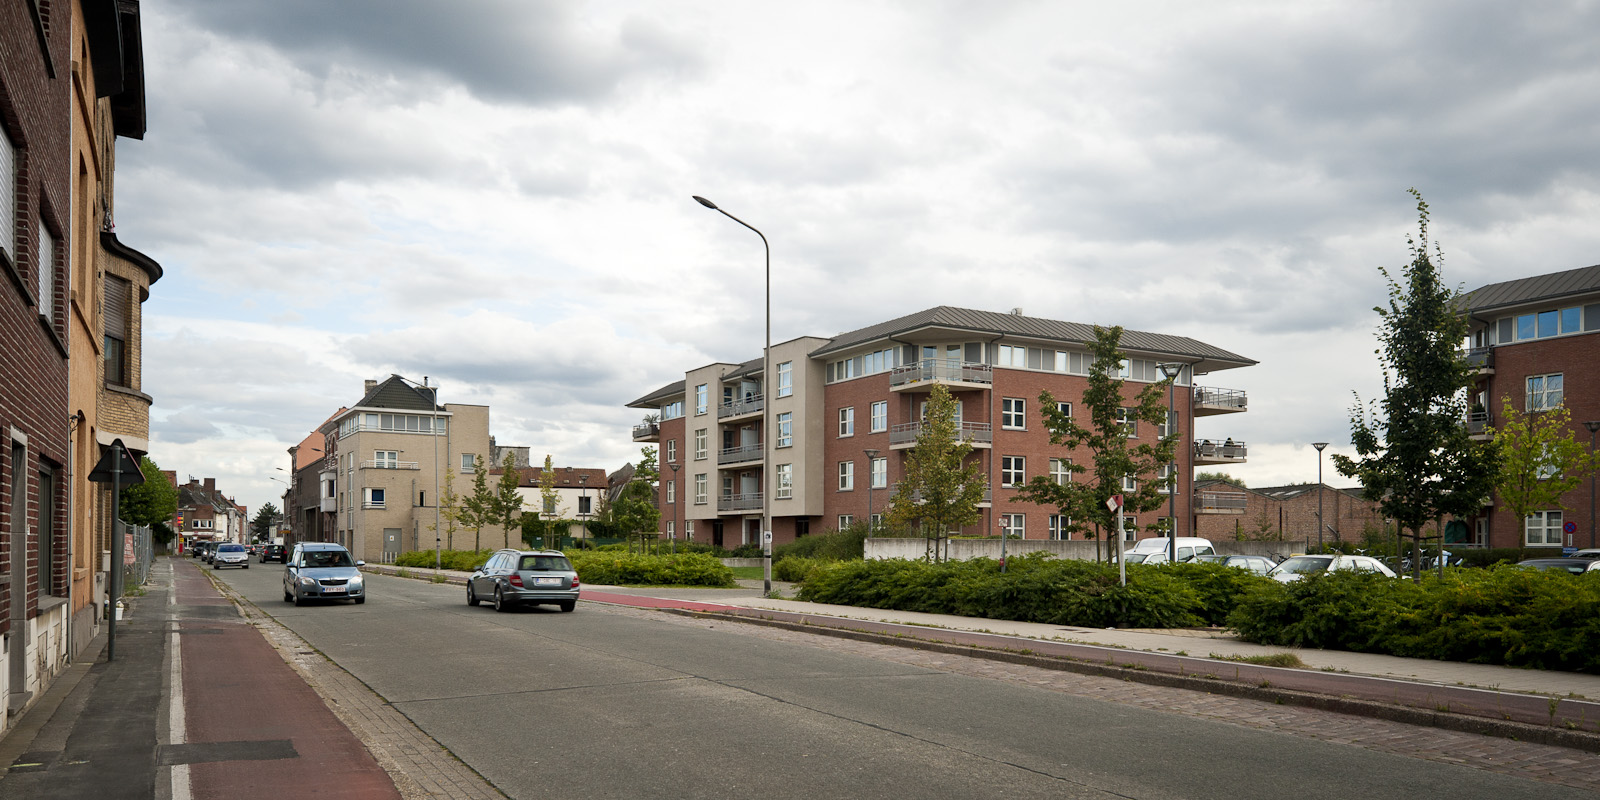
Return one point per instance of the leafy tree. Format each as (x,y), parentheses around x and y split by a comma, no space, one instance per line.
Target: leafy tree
(1205,475)
(1540,461)
(549,510)
(940,490)
(1415,457)
(1110,412)
(635,508)
(261,526)
(449,509)
(148,503)
(477,509)
(505,504)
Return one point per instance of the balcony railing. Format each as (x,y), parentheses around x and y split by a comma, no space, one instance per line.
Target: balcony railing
(740,454)
(1217,401)
(907,432)
(749,405)
(1478,423)
(749,501)
(1481,358)
(1207,451)
(916,495)
(646,432)
(1220,502)
(386,464)
(941,369)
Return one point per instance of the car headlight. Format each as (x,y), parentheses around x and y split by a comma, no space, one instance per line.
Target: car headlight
(307,580)
(356,581)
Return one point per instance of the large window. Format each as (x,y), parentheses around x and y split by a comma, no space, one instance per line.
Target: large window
(374,498)
(1544,529)
(701,399)
(1061,471)
(847,476)
(1010,356)
(1013,413)
(1013,471)
(1128,422)
(469,463)
(386,459)
(1060,527)
(786,379)
(671,410)
(699,444)
(672,451)
(1014,526)
(8,198)
(847,422)
(786,429)
(116,321)
(700,489)
(880,473)
(1554,322)
(785,481)
(1544,392)
(846,520)
(880,416)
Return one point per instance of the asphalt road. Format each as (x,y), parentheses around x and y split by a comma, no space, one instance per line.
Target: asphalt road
(597,703)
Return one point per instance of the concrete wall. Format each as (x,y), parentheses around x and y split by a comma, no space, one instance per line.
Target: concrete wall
(963,549)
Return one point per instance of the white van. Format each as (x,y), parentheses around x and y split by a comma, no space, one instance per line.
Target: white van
(1188,547)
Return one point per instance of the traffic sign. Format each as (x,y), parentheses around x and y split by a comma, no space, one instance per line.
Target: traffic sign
(1114,503)
(1570,527)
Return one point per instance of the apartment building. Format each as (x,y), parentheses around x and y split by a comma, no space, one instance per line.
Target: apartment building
(206,515)
(842,412)
(1536,342)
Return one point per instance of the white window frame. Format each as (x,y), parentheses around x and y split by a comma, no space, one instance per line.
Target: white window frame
(469,463)
(672,492)
(785,489)
(786,379)
(847,422)
(1060,471)
(1013,471)
(1129,484)
(374,497)
(672,451)
(702,399)
(1015,526)
(700,440)
(670,529)
(47,273)
(1168,427)
(1013,419)
(1546,525)
(1540,396)
(845,520)
(386,459)
(688,530)
(1058,527)
(8,198)
(847,476)
(880,416)
(1128,423)
(879,468)
(786,429)
(1166,477)
(700,488)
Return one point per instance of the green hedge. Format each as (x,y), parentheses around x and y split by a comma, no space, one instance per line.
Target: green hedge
(623,569)
(463,560)
(1036,588)
(1544,619)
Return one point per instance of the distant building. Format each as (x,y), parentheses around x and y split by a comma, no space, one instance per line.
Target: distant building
(205,514)
(579,492)
(1282,513)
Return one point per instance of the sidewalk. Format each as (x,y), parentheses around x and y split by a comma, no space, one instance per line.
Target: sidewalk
(197,704)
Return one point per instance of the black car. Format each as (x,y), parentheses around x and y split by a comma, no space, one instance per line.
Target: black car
(274,552)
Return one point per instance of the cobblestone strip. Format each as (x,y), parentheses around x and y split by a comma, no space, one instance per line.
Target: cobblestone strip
(420,767)
(1521,759)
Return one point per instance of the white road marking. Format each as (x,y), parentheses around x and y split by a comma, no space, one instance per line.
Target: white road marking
(175,711)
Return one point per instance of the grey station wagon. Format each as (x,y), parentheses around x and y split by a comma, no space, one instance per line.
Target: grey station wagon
(532,577)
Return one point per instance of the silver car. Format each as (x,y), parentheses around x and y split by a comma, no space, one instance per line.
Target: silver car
(322,571)
(1298,567)
(230,555)
(512,577)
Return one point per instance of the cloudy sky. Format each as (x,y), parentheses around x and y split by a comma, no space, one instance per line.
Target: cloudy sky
(496,193)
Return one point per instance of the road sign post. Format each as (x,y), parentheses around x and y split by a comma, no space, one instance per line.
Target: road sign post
(1115,504)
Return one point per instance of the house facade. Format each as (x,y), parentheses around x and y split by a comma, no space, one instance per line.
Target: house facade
(1535,343)
(206,515)
(843,411)
(1283,513)
(579,493)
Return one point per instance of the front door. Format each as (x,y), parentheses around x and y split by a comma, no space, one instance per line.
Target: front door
(716,533)
(391,545)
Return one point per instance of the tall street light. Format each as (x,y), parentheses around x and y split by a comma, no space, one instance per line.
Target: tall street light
(766,411)
(1172,371)
(674,536)
(1593,425)
(1320,524)
(872,478)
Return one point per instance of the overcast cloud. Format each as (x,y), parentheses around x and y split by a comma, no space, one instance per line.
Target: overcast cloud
(495,193)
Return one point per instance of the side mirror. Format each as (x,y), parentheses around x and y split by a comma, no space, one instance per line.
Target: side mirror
(361,563)
(478,568)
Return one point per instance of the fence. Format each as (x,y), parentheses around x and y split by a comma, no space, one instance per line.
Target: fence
(138,550)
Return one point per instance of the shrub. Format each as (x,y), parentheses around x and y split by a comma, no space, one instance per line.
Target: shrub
(1218,587)
(845,545)
(794,569)
(461,560)
(621,568)
(1480,557)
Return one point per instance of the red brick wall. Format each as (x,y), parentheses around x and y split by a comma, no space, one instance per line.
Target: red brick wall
(674,429)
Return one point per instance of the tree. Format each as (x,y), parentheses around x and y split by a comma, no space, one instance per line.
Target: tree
(505,503)
(550,502)
(1415,457)
(634,510)
(1205,475)
(940,489)
(155,500)
(1106,438)
(1540,461)
(477,509)
(450,509)
(261,526)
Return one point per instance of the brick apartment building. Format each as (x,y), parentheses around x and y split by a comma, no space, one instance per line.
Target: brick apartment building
(1536,341)
(844,410)
(1283,513)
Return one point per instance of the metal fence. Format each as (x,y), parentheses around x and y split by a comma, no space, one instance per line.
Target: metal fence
(138,551)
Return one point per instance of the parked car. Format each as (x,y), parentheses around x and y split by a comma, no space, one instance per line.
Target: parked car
(231,555)
(1572,564)
(1587,552)
(1297,567)
(1188,547)
(322,571)
(1260,565)
(207,550)
(512,577)
(274,552)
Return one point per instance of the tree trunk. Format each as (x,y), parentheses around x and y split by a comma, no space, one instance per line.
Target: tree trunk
(1416,555)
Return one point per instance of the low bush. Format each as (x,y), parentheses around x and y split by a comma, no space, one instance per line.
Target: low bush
(845,545)
(1483,557)
(624,569)
(795,569)
(463,560)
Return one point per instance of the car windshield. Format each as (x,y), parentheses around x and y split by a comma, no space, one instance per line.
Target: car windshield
(1304,566)
(1210,557)
(232,548)
(327,558)
(545,563)
(1134,558)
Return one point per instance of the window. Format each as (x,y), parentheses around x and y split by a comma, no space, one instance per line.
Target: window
(374,498)
(1061,471)
(45,535)
(584,504)
(672,491)
(1168,477)
(1544,392)
(200,524)
(549,505)
(117,327)
(1060,527)
(847,476)
(785,481)
(1163,527)
(1014,526)
(8,197)
(1169,426)
(1555,322)
(700,444)
(1013,413)
(700,489)
(386,459)
(688,530)
(1012,356)
(786,379)
(672,451)
(672,410)
(700,399)
(880,416)
(1129,484)
(846,520)
(1012,469)
(670,530)
(875,521)
(469,463)
(47,274)
(1128,422)
(786,429)
(847,422)
(1065,409)
(1544,529)
(880,473)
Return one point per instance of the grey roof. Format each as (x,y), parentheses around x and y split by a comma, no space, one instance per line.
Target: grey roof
(992,322)
(654,398)
(394,392)
(1550,286)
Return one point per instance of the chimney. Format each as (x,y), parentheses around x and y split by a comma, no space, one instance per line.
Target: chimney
(369,386)
(211,485)
(1016,312)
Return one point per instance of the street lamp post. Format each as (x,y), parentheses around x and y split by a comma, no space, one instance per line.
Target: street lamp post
(1319,446)
(583,516)
(766,413)
(1172,371)
(1002,543)
(872,475)
(1593,425)
(674,536)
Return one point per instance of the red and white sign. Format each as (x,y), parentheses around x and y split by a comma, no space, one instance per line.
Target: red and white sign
(1114,503)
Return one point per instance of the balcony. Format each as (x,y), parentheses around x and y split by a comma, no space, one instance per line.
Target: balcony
(952,373)
(386,464)
(328,505)
(904,435)
(647,432)
(739,503)
(742,454)
(1209,401)
(1220,502)
(1481,359)
(751,405)
(1479,426)
(1207,451)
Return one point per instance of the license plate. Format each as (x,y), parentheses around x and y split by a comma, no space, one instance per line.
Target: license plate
(333,590)
(546,581)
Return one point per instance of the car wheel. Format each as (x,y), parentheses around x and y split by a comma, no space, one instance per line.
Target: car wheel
(246,565)
(472,597)
(287,598)
(297,600)
(500,603)
(568,605)
(361,599)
